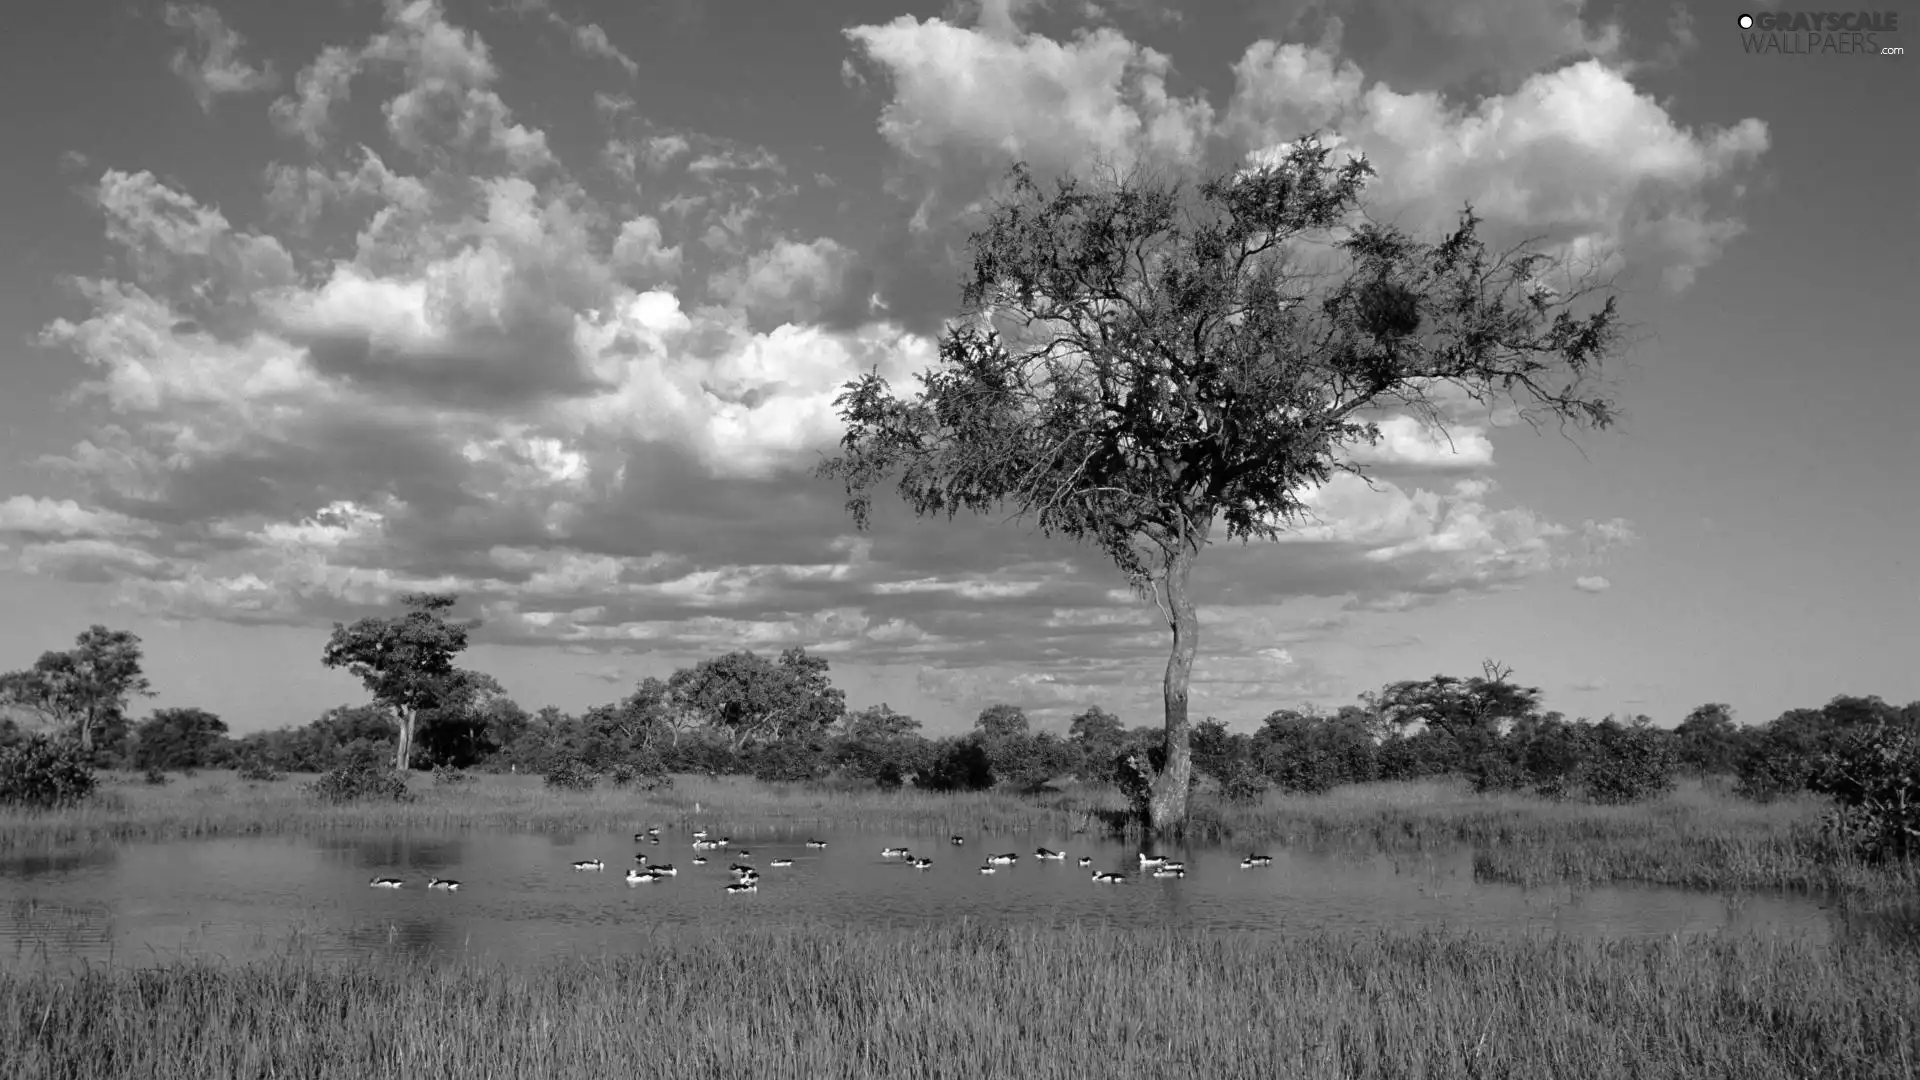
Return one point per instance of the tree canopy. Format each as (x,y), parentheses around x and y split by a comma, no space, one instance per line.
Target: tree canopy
(1135,362)
(406,662)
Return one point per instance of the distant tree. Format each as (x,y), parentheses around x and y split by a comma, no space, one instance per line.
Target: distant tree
(1135,366)
(882,745)
(1001,721)
(1215,749)
(83,689)
(1099,736)
(406,661)
(1708,741)
(180,738)
(1468,715)
(753,699)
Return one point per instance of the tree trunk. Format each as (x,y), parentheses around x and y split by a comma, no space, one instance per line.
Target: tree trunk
(86,732)
(1168,805)
(404,753)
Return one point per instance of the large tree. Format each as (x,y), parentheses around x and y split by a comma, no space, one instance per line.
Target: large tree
(406,661)
(753,699)
(84,689)
(180,738)
(1137,362)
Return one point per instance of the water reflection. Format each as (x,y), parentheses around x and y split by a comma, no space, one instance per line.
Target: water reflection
(521,899)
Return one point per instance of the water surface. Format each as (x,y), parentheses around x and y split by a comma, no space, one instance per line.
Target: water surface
(239,898)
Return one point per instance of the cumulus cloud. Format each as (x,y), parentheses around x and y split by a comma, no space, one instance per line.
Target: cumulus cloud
(1592,583)
(447,357)
(211,65)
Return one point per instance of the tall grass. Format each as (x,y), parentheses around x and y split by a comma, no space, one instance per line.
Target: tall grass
(972,1001)
(1695,837)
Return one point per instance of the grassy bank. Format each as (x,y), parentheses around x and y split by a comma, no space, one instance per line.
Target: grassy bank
(1698,836)
(968,1001)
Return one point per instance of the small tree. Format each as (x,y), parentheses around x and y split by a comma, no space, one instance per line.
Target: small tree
(1134,367)
(1708,741)
(406,661)
(84,689)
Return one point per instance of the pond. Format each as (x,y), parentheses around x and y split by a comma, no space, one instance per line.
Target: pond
(521,899)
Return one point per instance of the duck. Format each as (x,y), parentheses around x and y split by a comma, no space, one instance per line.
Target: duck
(920,864)
(589,864)
(699,834)
(443,883)
(386,883)
(723,841)
(741,853)
(699,860)
(781,862)
(816,843)
(957,840)
(653,830)
(1086,861)
(893,852)
(1048,853)
(1003,860)
(1108,879)
(1167,871)
(989,869)
(705,845)
(1259,860)
(1151,860)
(637,876)
(653,839)
(741,868)
(743,886)
(662,869)
(1171,865)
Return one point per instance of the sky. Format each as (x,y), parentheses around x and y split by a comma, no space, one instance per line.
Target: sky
(546,303)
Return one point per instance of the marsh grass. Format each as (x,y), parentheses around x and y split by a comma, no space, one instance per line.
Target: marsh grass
(1698,836)
(967,1000)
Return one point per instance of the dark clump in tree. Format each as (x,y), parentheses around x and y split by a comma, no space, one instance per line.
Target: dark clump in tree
(1138,364)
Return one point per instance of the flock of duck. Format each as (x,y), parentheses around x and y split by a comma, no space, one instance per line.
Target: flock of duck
(746,878)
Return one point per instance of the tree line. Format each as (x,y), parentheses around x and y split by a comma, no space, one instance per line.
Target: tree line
(780,718)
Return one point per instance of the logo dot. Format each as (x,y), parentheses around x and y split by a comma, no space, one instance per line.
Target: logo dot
(1746,22)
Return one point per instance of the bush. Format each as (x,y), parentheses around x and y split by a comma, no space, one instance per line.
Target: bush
(39,773)
(360,780)
(571,774)
(961,765)
(1493,773)
(1874,777)
(448,776)
(1243,783)
(155,777)
(789,761)
(890,778)
(1629,763)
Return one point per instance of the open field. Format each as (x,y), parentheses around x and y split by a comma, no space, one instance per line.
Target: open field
(1698,836)
(969,1001)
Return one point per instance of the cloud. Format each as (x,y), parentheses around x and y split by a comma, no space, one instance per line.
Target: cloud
(1592,584)
(211,65)
(1576,154)
(587,37)
(588,392)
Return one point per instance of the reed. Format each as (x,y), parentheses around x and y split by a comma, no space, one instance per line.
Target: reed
(969,1000)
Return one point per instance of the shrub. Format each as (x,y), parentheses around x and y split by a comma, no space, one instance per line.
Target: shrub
(571,774)
(960,765)
(448,776)
(359,780)
(1243,783)
(155,777)
(1874,777)
(1492,773)
(789,761)
(39,773)
(890,778)
(1629,763)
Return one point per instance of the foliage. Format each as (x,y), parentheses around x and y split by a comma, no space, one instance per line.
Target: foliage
(84,689)
(42,773)
(959,765)
(1137,365)
(1099,736)
(445,776)
(363,777)
(1629,763)
(1873,776)
(1708,741)
(154,777)
(178,738)
(754,699)
(1784,756)
(259,772)
(882,745)
(1308,753)
(406,661)
(1243,783)
(789,760)
(570,774)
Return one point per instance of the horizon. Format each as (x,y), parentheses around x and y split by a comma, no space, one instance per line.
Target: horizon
(546,303)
